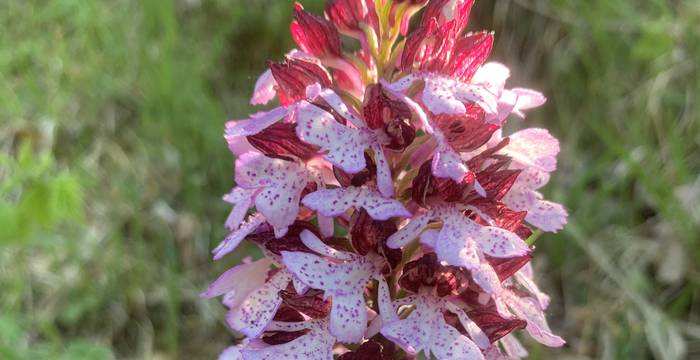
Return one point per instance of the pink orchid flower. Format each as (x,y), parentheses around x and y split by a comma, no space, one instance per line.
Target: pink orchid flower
(316,344)
(342,276)
(426,330)
(251,298)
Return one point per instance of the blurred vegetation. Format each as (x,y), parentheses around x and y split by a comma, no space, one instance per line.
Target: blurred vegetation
(112,168)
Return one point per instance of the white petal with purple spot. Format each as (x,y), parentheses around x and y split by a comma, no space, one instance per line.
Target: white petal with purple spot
(334,202)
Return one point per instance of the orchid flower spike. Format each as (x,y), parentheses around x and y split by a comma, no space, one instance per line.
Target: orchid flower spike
(393,215)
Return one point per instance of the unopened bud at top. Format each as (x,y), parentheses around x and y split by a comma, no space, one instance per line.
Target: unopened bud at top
(314,34)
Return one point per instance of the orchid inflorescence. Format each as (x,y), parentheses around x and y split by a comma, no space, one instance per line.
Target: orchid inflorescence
(392,213)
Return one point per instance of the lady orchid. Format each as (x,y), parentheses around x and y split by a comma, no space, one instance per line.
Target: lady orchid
(392,212)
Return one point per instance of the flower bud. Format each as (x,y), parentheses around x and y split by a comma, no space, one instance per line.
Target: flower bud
(287,314)
(417,47)
(506,267)
(282,337)
(502,215)
(470,52)
(348,15)
(314,34)
(444,11)
(497,183)
(438,45)
(466,132)
(493,325)
(311,303)
(295,74)
(265,236)
(477,161)
(281,140)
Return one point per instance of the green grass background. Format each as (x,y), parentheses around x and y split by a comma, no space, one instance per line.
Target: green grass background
(112,167)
